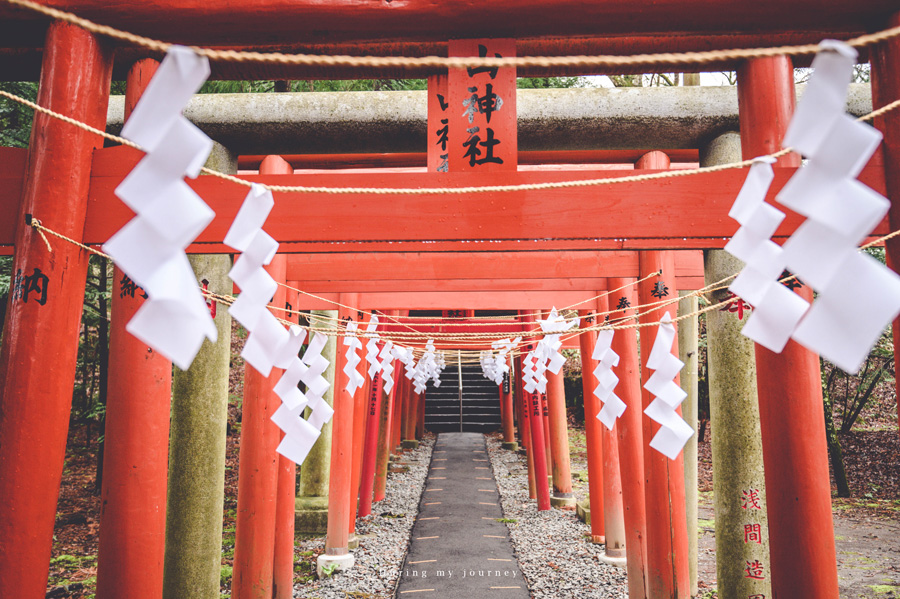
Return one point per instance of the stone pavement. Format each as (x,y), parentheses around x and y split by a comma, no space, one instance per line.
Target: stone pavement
(458,548)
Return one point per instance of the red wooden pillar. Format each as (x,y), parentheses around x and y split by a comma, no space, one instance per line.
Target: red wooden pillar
(420,416)
(798,490)
(506,401)
(524,422)
(135,465)
(37,361)
(667,542)
(384,429)
(398,416)
(885,59)
(360,399)
(537,447)
(339,476)
(283,564)
(548,447)
(254,548)
(373,416)
(630,434)
(559,439)
(587,341)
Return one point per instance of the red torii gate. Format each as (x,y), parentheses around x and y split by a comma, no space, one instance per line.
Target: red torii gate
(74,79)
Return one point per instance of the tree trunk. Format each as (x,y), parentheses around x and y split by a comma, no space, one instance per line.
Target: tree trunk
(834,449)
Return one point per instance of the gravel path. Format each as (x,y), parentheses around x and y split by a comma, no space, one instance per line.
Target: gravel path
(384,537)
(554,553)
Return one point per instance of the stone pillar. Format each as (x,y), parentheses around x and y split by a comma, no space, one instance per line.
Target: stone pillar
(688,337)
(738,476)
(311,515)
(196,492)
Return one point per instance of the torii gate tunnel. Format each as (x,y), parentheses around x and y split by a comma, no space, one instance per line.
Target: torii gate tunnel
(517,251)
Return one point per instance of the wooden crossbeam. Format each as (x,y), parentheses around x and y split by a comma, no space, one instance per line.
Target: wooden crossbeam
(675,212)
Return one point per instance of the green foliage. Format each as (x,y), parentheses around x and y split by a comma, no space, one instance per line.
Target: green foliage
(15,119)
(225,574)
(354,85)
(507,520)
(550,82)
(328,570)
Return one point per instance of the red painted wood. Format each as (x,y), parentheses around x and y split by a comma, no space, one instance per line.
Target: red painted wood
(37,359)
(283,564)
(587,342)
(360,399)
(384,426)
(274,22)
(684,207)
(613,506)
(420,417)
(630,435)
(339,476)
(254,548)
(482,112)
(885,89)
(506,402)
(798,491)
(438,125)
(399,414)
(136,433)
(420,159)
(373,415)
(537,446)
(667,541)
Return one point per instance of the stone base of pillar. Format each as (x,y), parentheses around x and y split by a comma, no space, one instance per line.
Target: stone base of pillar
(510,446)
(614,560)
(583,511)
(311,515)
(337,562)
(566,502)
(352,542)
(409,444)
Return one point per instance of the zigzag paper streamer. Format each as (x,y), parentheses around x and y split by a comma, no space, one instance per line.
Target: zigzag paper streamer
(776,309)
(857,295)
(150,248)
(387,366)
(613,406)
(316,384)
(674,431)
(354,379)
(372,347)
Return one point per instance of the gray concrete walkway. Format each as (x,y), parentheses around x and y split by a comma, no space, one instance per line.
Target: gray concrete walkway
(459,549)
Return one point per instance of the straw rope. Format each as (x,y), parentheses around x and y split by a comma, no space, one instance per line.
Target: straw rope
(608,61)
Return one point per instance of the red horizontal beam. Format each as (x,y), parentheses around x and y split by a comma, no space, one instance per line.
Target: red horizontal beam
(413,267)
(20,53)
(675,212)
(412,159)
(439,300)
(275,22)
(454,285)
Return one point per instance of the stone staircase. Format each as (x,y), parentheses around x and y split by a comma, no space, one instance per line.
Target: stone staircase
(480,402)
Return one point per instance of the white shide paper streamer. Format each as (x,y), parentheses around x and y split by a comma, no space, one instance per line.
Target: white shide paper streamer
(151,247)
(674,431)
(269,344)
(857,295)
(613,406)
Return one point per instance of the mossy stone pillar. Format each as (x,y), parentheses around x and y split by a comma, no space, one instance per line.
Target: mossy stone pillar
(196,493)
(742,541)
(688,338)
(311,515)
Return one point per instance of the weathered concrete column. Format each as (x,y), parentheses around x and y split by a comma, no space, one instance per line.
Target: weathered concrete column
(688,337)
(197,442)
(738,476)
(311,515)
